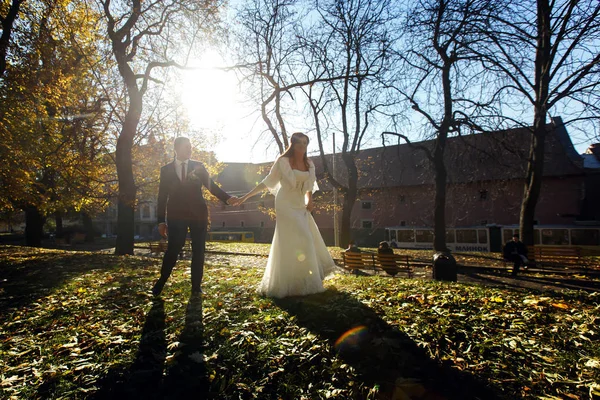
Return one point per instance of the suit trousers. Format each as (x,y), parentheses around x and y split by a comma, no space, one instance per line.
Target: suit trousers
(177,234)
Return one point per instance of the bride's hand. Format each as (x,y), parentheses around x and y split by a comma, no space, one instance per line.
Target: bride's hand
(310,206)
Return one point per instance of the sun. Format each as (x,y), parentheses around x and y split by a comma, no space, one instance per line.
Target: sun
(210,94)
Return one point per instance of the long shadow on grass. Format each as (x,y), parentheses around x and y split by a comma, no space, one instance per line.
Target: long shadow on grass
(28,274)
(145,376)
(149,377)
(383,355)
(531,282)
(186,376)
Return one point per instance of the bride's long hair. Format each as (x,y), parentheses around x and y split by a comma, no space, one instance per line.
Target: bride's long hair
(296,136)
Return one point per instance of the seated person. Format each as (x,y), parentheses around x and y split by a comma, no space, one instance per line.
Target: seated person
(384,248)
(516,252)
(352,247)
(388,266)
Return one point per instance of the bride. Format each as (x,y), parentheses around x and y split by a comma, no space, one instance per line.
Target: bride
(298,260)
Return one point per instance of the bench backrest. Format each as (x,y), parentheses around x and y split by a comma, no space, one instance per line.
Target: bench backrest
(354,260)
(370,260)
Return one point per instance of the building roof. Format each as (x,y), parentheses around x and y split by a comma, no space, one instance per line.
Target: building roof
(499,155)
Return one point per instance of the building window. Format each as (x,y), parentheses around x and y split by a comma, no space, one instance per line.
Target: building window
(483,222)
(402,198)
(366,205)
(242,206)
(242,224)
(145,211)
(483,194)
(367,223)
(262,224)
(402,223)
(223,225)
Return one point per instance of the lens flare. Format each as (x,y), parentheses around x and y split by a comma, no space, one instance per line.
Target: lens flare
(301,256)
(351,339)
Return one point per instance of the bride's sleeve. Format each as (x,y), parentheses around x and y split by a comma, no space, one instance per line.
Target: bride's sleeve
(271,181)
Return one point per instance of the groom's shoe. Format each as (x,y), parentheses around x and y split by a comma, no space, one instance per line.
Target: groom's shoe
(196,292)
(158,287)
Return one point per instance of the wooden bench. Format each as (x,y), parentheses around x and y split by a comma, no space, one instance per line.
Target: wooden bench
(556,256)
(563,256)
(157,248)
(78,237)
(390,263)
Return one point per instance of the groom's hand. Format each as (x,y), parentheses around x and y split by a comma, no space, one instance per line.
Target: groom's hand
(163,229)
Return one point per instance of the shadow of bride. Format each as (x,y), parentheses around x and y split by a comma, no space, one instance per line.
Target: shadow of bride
(382,355)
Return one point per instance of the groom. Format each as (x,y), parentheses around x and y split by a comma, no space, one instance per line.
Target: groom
(180,197)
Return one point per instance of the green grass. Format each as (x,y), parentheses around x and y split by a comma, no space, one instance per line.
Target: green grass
(82,325)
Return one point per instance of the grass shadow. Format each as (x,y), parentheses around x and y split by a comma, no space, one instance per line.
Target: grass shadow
(383,356)
(28,274)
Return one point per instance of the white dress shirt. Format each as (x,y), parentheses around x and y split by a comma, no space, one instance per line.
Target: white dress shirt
(178,168)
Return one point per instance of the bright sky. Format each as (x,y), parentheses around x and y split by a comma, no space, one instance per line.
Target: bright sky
(216,105)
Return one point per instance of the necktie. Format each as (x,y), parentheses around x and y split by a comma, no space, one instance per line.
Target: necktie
(183,172)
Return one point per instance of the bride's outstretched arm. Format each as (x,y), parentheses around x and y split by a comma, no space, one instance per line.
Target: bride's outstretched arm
(259,188)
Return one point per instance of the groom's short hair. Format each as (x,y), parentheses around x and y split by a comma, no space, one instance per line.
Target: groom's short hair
(179,141)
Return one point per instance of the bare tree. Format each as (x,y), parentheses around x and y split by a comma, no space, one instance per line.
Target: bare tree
(144,37)
(436,78)
(265,48)
(549,54)
(347,52)
(334,59)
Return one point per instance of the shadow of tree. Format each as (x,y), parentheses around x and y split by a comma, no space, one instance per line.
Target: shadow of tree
(383,356)
(530,282)
(28,274)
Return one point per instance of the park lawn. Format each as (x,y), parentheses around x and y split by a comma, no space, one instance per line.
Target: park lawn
(82,325)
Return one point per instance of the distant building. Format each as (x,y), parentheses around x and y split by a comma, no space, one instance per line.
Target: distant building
(485,186)
(486,178)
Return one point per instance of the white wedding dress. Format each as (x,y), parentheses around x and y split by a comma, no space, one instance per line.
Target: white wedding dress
(299,260)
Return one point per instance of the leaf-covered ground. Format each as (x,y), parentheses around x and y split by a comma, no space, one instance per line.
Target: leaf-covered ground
(82,325)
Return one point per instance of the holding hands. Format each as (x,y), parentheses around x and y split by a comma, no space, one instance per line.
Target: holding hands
(236,201)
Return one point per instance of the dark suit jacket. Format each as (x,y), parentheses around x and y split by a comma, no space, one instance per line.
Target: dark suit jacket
(184,201)
(513,247)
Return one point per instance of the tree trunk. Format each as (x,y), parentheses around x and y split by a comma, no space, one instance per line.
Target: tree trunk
(127,191)
(533,182)
(535,166)
(439,210)
(34,226)
(58,219)
(88,227)
(349,199)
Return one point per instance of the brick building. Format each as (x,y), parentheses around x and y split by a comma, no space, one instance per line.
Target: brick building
(485,186)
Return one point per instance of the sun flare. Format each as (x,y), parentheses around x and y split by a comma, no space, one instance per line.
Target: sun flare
(209,94)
